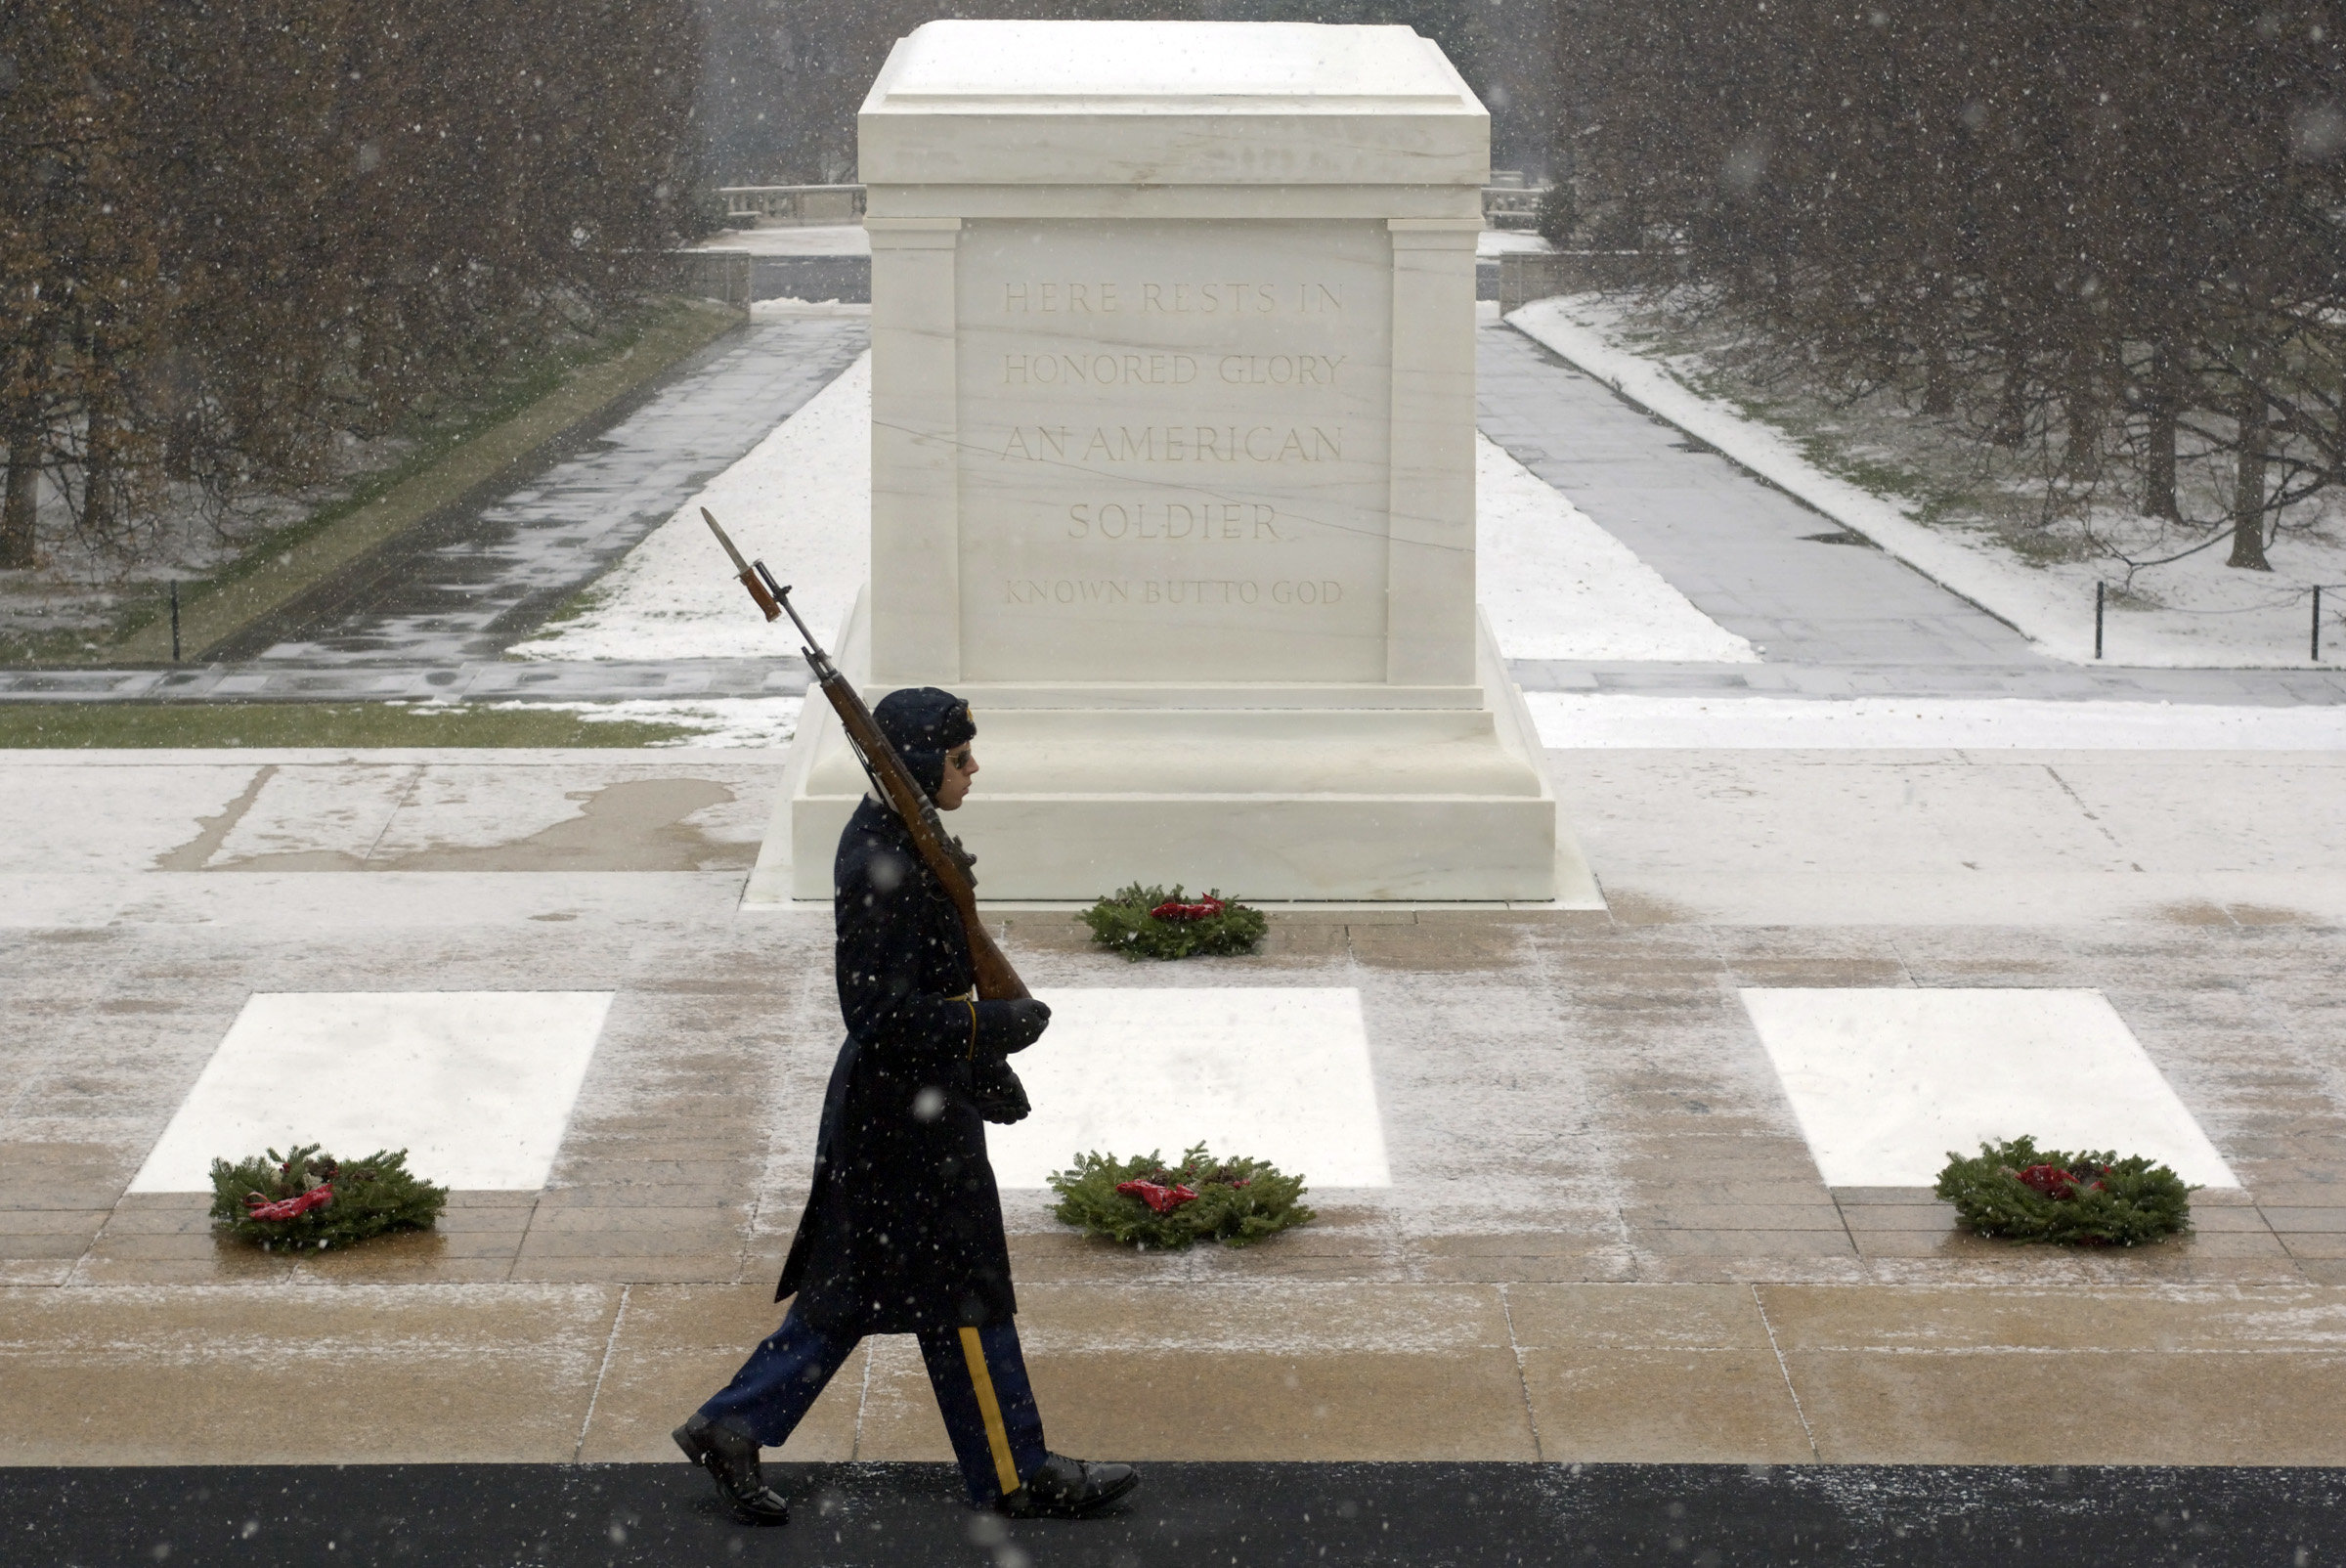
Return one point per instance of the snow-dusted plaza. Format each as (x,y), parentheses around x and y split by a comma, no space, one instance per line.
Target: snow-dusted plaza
(1598,1181)
(1691,848)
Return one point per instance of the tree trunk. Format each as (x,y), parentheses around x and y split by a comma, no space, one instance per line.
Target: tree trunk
(19,544)
(2165,407)
(2249,477)
(180,436)
(1938,385)
(2337,440)
(98,475)
(2083,409)
(1936,323)
(2012,409)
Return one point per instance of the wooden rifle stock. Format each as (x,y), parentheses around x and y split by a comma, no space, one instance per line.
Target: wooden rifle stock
(997,979)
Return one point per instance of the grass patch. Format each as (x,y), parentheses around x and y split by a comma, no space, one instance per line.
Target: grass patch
(65,645)
(28,725)
(1871,433)
(1719,373)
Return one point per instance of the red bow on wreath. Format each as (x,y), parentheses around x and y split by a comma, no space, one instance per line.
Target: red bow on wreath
(2053,1181)
(1202,909)
(1163,1199)
(258,1207)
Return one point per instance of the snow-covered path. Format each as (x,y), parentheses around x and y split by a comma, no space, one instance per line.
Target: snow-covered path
(800,501)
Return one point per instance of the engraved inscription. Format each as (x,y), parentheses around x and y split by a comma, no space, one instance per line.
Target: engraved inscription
(1175,522)
(1180,425)
(1028,297)
(1288,592)
(1098,369)
(1168,369)
(1175,442)
(1280,369)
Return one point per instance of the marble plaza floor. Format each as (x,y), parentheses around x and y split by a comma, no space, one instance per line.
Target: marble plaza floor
(1604,1238)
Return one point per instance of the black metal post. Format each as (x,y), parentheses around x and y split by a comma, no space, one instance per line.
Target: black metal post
(2099,593)
(175,621)
(2317,622)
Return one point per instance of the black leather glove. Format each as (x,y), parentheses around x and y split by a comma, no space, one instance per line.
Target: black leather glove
(1007,1026)
(996,1090)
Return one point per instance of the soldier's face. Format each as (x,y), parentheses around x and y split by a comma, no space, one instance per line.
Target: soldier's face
(961,766)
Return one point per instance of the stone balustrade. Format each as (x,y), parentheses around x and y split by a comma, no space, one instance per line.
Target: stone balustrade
(1509,202)
(777,206)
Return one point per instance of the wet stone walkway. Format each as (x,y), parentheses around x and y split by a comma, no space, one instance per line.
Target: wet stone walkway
(1749,555)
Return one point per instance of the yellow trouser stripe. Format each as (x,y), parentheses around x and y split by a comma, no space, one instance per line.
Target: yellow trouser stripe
(997,1437)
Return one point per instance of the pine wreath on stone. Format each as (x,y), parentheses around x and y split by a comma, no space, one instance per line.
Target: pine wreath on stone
(1146,1204)
(1150,923)
(310,1200)
(2026,1194)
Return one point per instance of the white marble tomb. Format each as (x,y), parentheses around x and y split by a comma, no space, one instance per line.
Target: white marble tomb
(1173,468)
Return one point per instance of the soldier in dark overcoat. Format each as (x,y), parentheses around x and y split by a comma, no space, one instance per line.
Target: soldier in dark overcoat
(902,1230)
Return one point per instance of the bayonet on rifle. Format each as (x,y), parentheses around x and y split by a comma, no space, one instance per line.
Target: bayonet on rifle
(767,597)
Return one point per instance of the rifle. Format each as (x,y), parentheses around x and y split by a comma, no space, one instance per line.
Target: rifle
(997,980)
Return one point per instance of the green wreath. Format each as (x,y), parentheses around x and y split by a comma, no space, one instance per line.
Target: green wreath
(310,1200)
(1150,923)
(1143,1203)
(2026,1194)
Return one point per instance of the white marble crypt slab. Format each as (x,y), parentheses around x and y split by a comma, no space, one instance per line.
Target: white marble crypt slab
(1885,1082)
(1279,1074)
(477,1086)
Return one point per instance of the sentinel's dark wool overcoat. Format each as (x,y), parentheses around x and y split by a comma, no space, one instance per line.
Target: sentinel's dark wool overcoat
(903,1227)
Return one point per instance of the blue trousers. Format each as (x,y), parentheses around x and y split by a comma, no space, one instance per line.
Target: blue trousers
(979,1376)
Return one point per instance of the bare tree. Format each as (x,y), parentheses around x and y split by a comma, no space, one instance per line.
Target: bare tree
(2093,226)
(229,233)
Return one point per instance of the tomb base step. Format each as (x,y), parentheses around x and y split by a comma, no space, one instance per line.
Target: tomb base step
(1276,803)
(1257,847)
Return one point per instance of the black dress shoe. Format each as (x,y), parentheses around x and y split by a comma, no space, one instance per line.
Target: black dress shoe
(1061,1488)
(730,1457)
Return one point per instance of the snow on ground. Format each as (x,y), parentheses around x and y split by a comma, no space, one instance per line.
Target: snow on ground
(1573,720)
(800,502)
(775,310)
(2210,618)
(804,239)
(714,721)
(1511,242)
(1554,585)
